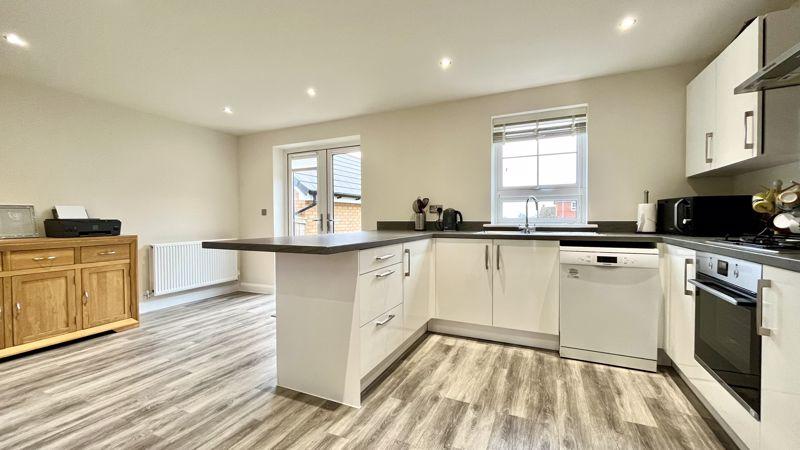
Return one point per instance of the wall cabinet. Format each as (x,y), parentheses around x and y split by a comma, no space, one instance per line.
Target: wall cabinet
(106,294)
(43,305)
(57,290)
(525,285)
(722,128)
(780,361)
(464,280)
(417,285)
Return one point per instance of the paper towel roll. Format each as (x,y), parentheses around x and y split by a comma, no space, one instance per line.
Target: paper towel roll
(646,218)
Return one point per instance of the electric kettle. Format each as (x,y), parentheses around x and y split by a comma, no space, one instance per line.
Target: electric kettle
(450,219)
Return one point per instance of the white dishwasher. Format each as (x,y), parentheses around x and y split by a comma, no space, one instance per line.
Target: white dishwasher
(610,302)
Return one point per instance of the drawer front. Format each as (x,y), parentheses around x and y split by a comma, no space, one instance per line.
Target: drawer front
(378,258)
(39,259)
(379,291)
(380,337)
(100,253)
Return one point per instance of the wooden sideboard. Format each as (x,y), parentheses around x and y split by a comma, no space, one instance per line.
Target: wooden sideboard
(57,290)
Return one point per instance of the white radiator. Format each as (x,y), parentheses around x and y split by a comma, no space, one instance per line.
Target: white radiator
(179,266)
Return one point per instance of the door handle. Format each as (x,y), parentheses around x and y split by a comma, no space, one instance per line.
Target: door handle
(384,257)
(486,256)
(384,274)
(385,321)
(85,297)
(762,330)
(18,308)
(748,126)
(686,263)
(408,266)
(498,257)
(709,139)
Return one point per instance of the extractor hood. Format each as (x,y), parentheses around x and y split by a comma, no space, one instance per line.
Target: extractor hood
(783,71)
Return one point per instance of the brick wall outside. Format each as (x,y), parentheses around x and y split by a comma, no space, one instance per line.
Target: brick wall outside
(348,217)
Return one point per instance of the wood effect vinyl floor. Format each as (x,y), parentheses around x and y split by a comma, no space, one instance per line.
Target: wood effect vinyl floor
(203,376)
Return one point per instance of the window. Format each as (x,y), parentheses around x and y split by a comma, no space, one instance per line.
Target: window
(542,154)
(324,191)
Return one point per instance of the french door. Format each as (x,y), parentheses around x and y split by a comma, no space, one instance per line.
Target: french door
(324,191)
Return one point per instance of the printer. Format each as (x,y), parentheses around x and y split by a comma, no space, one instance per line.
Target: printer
(74,221)
(69,228)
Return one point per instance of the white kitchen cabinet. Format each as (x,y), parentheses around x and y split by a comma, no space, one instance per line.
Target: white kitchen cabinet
(464,280)
(700,121)
(525,285)
(737,116)
(780,361)
(379,291)
(380,337)
(417,285)
(723,129)
(679,339)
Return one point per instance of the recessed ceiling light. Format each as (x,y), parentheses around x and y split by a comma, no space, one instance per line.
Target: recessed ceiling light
(311,92)
(627,23)
(227,110)
(445,63)
(14,39)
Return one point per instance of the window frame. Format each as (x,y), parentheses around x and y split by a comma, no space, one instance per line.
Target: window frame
(577,191)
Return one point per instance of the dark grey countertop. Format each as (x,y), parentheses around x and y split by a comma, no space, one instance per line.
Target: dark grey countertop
(327,244)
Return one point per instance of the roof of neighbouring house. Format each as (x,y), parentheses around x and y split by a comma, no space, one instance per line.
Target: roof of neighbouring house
(346,176)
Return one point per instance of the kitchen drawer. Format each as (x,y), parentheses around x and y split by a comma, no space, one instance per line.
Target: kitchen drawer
(380,257)
(380,337)
(380,291)
(100,253)
(38,259)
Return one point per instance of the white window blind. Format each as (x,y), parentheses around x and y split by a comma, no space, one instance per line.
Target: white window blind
(541,154)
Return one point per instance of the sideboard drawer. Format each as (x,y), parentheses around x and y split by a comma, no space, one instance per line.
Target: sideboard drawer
(39,259)
(379,257)
(100,253)
(380,337)
(380,291)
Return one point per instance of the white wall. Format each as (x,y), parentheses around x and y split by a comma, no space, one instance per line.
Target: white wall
(636,142)
(165,180)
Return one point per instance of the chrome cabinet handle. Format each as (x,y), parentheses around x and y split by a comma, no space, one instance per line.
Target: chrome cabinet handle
(762,330)
(384,274)
(709,137)
(748,124)
(42,258)
(486,257)
(686,263)
(385,321)
(110,252)
(408,266)
(85,297)
(19,308)
(384,257)
(498,258)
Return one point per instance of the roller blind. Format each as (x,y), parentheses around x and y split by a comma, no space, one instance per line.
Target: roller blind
(507,131)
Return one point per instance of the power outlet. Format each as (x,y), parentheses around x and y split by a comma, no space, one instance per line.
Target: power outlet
(433,209)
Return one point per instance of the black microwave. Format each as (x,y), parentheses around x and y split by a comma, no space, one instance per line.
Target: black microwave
(712,215)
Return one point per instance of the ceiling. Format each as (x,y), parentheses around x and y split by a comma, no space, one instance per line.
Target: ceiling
(187,59)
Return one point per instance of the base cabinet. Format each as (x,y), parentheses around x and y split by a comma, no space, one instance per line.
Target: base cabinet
(417,285)
(106,295)
(525,285)
(43,305)
(780,361)
(464,280)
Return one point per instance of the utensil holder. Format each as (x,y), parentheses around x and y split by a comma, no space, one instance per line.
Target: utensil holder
(419,221)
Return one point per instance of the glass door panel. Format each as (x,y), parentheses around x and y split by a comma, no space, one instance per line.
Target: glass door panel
(344,203)
(305,210)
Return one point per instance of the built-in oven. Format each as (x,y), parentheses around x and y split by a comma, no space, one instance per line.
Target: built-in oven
(727,313)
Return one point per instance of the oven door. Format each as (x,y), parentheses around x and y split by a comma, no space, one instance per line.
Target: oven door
(726,342)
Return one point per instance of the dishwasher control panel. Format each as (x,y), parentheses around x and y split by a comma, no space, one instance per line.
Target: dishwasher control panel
(610,257)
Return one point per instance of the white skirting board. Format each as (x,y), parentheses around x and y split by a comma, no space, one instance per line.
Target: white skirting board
(166,301)
(257,288)
(527,338)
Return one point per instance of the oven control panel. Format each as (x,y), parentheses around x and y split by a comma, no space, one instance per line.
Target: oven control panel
(743,274)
